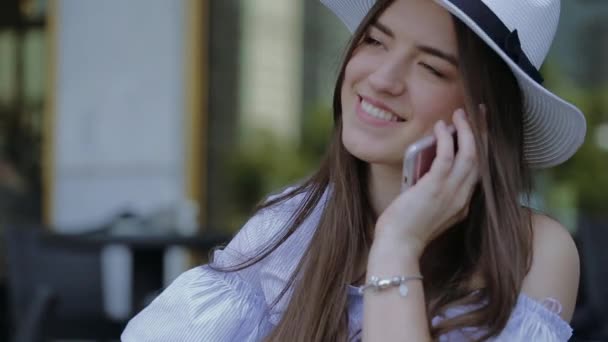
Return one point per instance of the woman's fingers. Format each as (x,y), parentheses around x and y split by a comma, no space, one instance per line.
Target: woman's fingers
(465,172)
(445,151)
(465,163)
(455,173)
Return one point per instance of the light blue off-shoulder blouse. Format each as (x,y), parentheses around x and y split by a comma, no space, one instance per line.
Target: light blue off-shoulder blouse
(206,305)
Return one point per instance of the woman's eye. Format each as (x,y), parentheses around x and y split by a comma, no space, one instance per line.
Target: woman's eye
(432,70)
(368,40)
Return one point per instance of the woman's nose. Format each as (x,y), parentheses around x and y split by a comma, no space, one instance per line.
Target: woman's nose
(388,79)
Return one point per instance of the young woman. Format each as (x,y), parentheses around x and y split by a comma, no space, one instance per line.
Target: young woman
(347,256)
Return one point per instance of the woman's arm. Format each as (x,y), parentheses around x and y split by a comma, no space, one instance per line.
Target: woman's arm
(439,200)
(554,273)
(387,315)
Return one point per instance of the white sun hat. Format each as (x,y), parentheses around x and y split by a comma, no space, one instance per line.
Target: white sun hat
(521,32)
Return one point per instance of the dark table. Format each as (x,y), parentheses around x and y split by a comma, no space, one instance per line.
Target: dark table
(148,252)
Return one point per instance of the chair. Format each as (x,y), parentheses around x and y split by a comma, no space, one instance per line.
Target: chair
(54,288)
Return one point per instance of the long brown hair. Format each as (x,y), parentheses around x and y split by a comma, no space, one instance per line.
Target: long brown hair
(493,243)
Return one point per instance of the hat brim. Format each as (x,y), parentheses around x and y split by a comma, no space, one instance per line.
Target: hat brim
(553,128)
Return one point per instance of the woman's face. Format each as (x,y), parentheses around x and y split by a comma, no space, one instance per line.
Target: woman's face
(400,80)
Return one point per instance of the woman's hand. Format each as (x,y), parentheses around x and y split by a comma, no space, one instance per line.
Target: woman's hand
(439,199)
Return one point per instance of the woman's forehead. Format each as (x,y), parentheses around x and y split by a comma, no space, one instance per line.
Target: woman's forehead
(421,22)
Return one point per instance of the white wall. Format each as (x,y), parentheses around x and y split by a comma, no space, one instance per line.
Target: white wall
(119,109)
(271,75)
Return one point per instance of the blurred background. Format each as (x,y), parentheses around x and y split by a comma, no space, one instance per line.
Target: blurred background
(135,135)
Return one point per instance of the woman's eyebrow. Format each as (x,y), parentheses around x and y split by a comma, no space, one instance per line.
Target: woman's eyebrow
(383,28)
(423,48)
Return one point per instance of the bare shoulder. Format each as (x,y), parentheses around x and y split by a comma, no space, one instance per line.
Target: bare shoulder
(555,265)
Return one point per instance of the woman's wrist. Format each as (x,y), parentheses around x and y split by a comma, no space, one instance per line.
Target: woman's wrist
(386,244)
(389,255)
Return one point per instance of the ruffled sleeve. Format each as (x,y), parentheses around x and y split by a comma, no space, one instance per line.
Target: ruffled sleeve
(530,321)
(534,321)
(207,305)
(203,305)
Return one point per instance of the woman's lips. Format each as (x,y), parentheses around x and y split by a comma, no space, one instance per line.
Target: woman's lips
(375,114)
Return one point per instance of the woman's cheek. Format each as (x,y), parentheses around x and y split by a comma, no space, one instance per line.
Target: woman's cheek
(429,109)
(433,104)
(356,73)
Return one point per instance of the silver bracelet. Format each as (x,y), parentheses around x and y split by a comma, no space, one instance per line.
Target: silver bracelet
(376,284)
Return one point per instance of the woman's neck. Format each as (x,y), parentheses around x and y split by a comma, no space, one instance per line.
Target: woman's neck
(384,186)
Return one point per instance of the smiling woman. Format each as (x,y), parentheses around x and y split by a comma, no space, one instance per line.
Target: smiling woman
(403,64)
(470,262)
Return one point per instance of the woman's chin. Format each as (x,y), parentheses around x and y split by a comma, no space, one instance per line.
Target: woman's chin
(373,151)
(375,156)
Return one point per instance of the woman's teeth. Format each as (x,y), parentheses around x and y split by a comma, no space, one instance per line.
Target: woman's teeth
(377,112)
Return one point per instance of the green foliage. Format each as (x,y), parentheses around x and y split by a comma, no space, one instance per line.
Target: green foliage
(268,163)
(587,171)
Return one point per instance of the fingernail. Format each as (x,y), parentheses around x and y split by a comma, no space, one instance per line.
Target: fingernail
(461,113)
(438,125)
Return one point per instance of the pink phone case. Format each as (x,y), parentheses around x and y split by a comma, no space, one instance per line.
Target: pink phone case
(419,157)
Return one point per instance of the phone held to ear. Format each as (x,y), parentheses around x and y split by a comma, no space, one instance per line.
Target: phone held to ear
(419,157)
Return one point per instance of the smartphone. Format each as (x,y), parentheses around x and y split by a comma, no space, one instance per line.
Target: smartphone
(419,157)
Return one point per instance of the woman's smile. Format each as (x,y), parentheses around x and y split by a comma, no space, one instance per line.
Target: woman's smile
(374,113)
